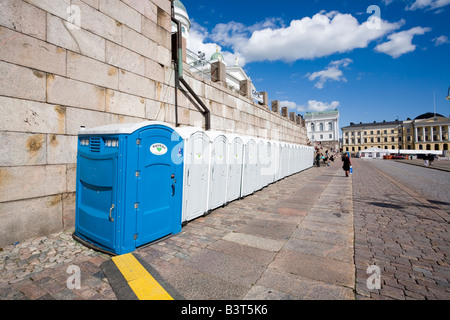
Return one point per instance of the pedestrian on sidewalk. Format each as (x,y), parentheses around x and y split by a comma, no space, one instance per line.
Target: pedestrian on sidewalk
(346,164)
(318,159)
(431,159)
(426,160)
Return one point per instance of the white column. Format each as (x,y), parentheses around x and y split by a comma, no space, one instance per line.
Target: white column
(424,135)
(440,133)
(417,135)
(432,133)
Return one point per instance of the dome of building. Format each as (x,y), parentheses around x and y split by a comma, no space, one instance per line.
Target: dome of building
(217,55)
(178,4)
(429,115)
(181,15)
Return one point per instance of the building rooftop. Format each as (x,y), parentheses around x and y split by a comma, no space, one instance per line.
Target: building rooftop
(372,124)
(429,115)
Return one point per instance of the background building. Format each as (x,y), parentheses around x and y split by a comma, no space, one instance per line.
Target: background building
(428,131)
(323,128)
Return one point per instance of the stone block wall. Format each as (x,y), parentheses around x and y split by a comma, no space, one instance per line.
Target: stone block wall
(71,63)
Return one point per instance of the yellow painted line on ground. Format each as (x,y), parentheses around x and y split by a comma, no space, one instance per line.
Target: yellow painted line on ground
(139,279)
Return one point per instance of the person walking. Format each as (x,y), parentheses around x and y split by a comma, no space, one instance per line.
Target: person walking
(346,164)
(318,159)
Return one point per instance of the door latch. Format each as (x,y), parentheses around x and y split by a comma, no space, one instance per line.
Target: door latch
(110,212)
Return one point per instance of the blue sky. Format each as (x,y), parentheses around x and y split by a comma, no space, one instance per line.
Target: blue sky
(373,60)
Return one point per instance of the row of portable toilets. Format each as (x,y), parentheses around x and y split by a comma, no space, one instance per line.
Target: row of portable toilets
(138,183)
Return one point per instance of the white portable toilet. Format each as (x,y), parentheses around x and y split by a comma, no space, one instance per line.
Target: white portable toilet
(249,175)
(261,151)
(196,172)
(235,167)
(284,162)
(302,157)
(267,171)
(218,171)
(275,145)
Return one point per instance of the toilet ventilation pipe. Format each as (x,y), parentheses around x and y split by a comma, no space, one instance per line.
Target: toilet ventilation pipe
(177,57)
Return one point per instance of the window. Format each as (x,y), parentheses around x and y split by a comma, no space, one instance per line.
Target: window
(385,139)
(385,131)
(321,127)
(313,127)
(331,136)
(321,136)
(330,127)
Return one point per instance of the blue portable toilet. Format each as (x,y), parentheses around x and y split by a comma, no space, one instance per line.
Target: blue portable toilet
(129,185)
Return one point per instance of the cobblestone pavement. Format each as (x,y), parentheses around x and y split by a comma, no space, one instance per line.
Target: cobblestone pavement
(37,269)
(433,185)
(402,233)
(309,236)
(443,165)
(292,240)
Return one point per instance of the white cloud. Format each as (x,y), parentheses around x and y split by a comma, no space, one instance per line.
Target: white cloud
(427,4)
(331,73)
(318,106)
(197,41)
(440,40)
(291,105)
(311,106)
(401,42)
(270,40)
(322,35)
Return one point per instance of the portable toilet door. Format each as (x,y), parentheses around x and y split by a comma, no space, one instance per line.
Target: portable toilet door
(261,150)
(235,167)
(266,161)
(275,156)
(160,183)
(284,162)
(196,172)
(249,176)
(218,170)
(128,185)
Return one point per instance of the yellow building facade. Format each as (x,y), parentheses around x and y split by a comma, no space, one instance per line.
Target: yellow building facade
(427,132)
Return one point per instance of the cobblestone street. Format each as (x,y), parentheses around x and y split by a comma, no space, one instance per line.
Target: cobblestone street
(406,237)
(311,236)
